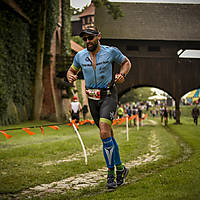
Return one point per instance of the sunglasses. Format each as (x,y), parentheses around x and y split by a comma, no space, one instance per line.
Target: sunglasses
(90,37)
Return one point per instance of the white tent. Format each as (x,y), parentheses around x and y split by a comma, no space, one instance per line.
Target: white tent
(157,97)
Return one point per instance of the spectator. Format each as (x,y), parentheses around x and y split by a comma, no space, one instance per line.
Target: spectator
(165,115)
(170,113)
(74,109)
(120,111)
(161,113)
(140,115)
(135,110)
(174,114)
(85,111)
(195,114)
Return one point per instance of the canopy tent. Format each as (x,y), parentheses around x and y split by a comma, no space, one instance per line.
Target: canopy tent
(157,97)
(193,96)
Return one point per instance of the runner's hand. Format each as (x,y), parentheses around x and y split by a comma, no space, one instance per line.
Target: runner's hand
(119,78)
(72,78)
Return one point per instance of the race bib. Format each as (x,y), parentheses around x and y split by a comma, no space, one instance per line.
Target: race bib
(93,94)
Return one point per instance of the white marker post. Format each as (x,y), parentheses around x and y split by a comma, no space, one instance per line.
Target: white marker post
(138,123)
(127,128)
(79,137)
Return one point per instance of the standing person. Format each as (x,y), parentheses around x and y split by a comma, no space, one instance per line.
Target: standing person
(120,111)
(74,109)
(165,115)
(170,113)
(140,115)
(135,110)
(85,111)
(161,113)
(195,114)
(96,63)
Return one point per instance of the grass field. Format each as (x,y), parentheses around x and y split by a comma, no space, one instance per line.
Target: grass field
(164,162)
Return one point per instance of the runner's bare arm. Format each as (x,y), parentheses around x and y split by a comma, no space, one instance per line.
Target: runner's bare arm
(125,68)
(72,75)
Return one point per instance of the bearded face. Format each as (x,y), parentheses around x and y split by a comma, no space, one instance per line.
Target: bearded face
(92,46)
(91,42)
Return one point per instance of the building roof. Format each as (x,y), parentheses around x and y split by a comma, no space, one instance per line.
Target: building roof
(151,21)
(75,47)
(88,11)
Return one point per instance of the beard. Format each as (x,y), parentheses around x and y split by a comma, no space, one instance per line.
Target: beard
(93,47)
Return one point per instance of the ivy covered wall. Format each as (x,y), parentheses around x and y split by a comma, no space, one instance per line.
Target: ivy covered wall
(18,39)
(16,70)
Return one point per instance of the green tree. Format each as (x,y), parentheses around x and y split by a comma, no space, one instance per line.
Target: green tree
(138,94)
(75,11)
(112,8)
(78,40)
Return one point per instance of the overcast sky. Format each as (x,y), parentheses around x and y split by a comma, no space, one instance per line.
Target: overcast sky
(81,3)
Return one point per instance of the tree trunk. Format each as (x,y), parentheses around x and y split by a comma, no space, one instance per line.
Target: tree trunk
(66,45)
(38,91)
(66,33)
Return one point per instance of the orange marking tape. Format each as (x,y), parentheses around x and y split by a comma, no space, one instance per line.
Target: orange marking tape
(28,131)
(6,135)
(41,128)
(54,127)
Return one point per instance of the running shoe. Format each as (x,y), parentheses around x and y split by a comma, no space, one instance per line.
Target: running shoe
(111,184)
(121,175)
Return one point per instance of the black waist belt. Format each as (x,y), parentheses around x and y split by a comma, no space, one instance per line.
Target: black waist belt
(99,93)
(105,92)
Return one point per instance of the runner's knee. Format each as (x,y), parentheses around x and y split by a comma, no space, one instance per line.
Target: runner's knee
(105,130)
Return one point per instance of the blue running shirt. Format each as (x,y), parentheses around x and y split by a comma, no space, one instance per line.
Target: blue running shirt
(102,75)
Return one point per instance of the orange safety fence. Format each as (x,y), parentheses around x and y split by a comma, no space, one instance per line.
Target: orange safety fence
(120,121)
(27,130)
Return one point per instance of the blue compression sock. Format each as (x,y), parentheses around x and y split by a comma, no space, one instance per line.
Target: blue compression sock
(108,151)
(117,160)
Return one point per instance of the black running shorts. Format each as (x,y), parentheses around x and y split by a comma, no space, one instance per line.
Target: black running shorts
(104,109)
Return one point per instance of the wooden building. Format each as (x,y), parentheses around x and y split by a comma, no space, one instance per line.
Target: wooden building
(151,35)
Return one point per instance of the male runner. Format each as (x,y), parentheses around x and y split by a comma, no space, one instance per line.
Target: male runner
(96,63)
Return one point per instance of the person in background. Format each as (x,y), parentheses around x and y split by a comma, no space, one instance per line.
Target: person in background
(174,114)
(165,115)
(170,113)
(135,110)
(195,114)
(140,115)
(85,111)
(74,109)
(120,111)
(161,113)
(129,113)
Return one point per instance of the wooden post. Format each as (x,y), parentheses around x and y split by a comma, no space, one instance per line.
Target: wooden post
(178,112)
